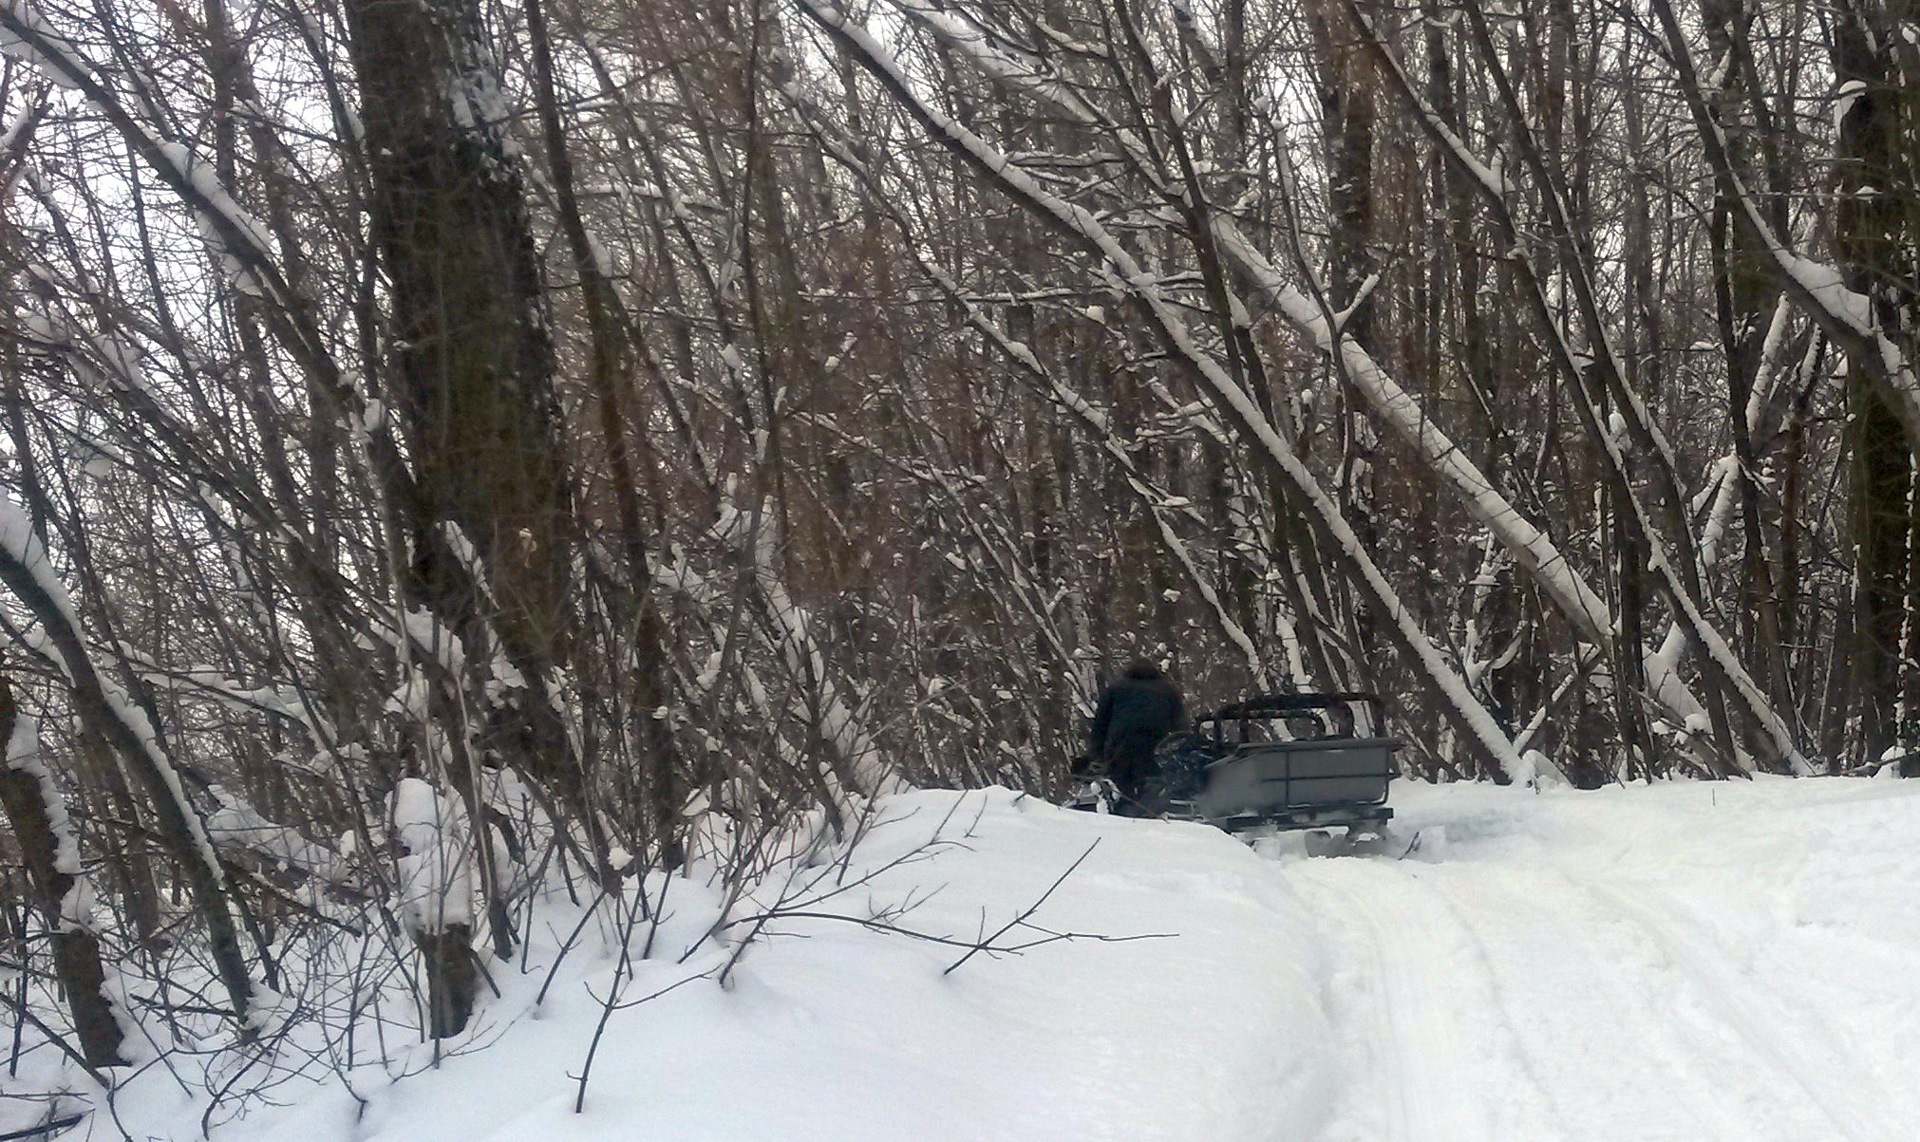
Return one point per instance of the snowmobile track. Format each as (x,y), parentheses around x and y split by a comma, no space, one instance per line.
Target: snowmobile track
(1417,1010)
(1477,1001)
(1789,1044)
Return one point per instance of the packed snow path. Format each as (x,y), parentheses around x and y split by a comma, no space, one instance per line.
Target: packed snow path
(1690,962)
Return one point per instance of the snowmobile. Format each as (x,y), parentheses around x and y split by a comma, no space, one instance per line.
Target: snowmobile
(1274,763)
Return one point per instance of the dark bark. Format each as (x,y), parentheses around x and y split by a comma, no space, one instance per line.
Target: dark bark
(1875,244)
(1744,300)
(76,950)
(610,374)
(1346,87)
(139,746)
(468,352)
(1879,472)
(453,978)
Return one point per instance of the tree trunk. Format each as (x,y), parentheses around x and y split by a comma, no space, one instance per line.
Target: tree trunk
(49,850)
(129,728)
(1875,246)
(611,371)
(472,366)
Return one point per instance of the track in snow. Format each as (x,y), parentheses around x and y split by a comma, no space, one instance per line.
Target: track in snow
(1483,997)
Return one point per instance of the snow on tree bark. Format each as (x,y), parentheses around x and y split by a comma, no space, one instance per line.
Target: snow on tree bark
(51,853)
(436,890)
(25,569)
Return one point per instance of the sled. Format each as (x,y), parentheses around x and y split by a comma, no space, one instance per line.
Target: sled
(1283,762)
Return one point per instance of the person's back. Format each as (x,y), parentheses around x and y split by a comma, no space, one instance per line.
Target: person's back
(1136,711)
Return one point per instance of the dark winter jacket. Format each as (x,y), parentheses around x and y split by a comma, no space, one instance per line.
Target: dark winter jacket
(1136,711)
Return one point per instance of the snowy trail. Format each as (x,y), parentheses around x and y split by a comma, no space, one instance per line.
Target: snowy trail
(1737,962)
(1626,974)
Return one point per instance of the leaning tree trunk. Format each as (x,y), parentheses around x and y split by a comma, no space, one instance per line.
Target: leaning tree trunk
(609,327)
(126,726)
(48,848)
(1346,84)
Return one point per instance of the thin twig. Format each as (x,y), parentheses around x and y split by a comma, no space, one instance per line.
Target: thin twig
(45,1129)
(59,1041)
(987,944)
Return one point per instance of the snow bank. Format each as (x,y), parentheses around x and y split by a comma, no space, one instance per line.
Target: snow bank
(435,863)
(831,1030)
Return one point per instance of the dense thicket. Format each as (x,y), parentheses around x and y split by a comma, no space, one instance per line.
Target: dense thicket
(611,431)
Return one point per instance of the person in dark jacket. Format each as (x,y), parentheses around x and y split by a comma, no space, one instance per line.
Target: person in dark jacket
(1136,711)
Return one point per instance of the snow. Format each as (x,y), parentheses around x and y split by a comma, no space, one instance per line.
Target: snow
(50,52)
(1696,961)
(1843,101)
(216,214)
(22,545)
(16,128)
(236,824)
(436,867)
(23,755)
(1001,61)
(851,1034)
(1824,283)
(479,105)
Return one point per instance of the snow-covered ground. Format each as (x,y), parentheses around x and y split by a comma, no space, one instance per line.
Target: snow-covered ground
(1693,961)
(1688,961)
(832,1031)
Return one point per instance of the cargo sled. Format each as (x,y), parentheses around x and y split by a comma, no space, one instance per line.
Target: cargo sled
(1281,762)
